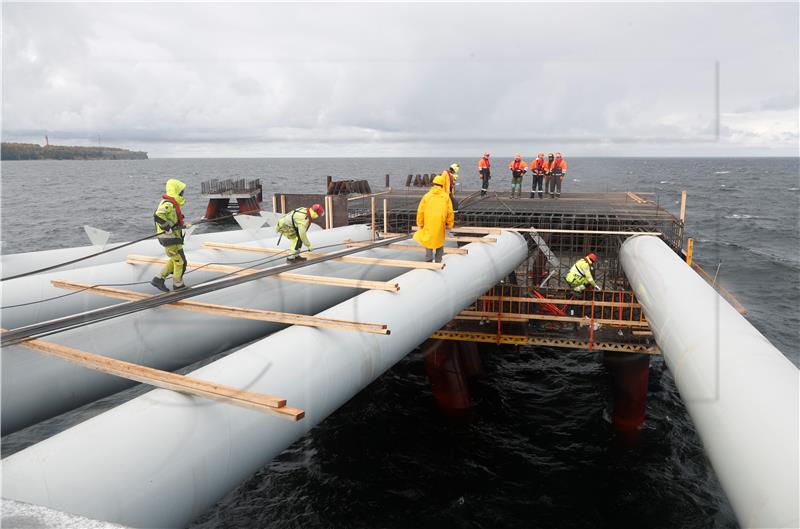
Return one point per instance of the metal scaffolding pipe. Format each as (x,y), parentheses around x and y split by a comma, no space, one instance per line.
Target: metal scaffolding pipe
(741,392)
(162,459)
(36,387)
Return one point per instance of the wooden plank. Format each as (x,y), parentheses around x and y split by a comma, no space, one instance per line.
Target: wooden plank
(167,380)
(231,312)
(636,198)
(478,315)
(345,259)
(557,301)
(408,247)
(682,216)
(475,229)
(386,213)
(287,276)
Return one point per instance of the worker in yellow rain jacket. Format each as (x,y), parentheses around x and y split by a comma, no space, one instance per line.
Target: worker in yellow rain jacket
(294,226)
(434,215)
(580,274)
(169,231)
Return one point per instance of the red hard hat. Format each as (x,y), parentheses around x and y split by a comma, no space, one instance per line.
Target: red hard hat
(318,209)
(592,257)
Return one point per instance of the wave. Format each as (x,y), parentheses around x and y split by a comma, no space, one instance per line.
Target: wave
(786,261)
(737,216)
(793,189)
(721,172)
(665,182)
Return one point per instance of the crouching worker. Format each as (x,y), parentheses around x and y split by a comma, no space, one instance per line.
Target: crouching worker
(580,274)
(434,215)
(294,226)
(169,231)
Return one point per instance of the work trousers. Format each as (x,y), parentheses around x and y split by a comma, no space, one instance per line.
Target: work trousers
(437,257)
(485,176)
(538,179)
(176,263)
(555,185)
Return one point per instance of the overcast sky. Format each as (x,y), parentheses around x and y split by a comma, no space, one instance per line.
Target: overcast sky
(401,79)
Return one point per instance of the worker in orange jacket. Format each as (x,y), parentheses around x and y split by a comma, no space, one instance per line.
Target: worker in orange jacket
(538,169)
(483,170)
(518,168)
(558,170)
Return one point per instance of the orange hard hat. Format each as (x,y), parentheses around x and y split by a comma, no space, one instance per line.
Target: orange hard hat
(319,210)
(592,257)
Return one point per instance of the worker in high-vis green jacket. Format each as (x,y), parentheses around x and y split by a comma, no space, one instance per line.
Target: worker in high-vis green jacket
(169,231)
(294,226)
(580,274)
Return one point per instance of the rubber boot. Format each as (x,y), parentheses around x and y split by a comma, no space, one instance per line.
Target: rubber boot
(532,194)
(158,282)
(178,286)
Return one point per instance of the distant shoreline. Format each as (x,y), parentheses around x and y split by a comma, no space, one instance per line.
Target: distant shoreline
(32,151)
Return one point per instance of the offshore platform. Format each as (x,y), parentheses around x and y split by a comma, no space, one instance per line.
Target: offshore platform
(368,294)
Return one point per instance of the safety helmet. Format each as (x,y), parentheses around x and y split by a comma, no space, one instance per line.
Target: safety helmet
(486,155)
(439,180)
(316,211)
(550,155)
(592,257)
(454,168)
(558,155)
(540,155)
(517,156)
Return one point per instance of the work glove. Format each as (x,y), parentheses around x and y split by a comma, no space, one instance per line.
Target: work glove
(597,287)
(310,248)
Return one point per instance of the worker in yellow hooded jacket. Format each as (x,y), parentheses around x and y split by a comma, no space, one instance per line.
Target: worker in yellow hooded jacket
(434,215)
(169,231)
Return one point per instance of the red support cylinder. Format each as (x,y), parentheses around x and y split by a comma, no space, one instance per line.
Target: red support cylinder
(629,375)
(447,376)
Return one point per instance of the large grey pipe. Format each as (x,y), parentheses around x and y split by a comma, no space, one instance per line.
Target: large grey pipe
(741,392)
(36,387)
(162,459)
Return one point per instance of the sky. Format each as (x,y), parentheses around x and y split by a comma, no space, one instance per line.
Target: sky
(194,79)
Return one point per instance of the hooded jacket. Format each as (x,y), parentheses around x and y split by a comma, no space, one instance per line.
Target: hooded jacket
(168,215)
(435,211)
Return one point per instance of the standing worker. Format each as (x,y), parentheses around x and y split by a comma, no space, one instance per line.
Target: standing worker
(450,177)
(483,169)
(580,274)
(169,231)
(294,226)
(518,168)
(434,215)
(558,170)
(538,169)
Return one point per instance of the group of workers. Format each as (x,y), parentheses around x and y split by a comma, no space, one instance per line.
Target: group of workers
(547,174)
(435,214)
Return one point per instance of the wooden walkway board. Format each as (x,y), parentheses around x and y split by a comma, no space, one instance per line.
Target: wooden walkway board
(287,276)
(457,238)
(231,312)
(409,248)
(311,255)
(167,380)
